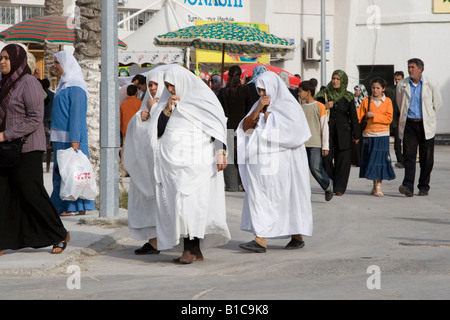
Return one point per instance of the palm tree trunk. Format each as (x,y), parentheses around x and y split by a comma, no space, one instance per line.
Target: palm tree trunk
(52,8)
(88,54)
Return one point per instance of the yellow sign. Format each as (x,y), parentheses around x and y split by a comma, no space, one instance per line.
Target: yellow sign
(441,6)
(204,56)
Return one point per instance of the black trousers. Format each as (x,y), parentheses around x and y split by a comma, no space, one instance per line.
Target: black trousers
(413,138)
(337,165)
(28,218)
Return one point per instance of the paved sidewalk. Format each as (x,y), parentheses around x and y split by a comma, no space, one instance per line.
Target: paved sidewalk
(408,238)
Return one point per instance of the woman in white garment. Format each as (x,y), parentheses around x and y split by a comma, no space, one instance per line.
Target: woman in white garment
(138,160)
(189,159)
(274,167)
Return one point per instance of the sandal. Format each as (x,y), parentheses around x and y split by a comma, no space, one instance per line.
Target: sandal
(147,248)
(74,213)
(62,245)
(378,192)
(68,214)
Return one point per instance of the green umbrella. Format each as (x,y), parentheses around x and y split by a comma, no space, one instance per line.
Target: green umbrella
(225,37)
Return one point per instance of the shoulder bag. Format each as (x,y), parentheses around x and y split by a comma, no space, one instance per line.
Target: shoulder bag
(10,150)
(364,119)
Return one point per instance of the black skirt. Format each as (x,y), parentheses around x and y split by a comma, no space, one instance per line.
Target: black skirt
(28,218)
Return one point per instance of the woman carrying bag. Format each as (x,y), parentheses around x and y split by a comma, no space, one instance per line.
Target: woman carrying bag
(27,216)
(375,156)
(68,126)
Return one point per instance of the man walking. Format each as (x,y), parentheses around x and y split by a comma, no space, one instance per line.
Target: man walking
(419,100)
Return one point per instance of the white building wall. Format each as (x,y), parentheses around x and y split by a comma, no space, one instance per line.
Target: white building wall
(405,29)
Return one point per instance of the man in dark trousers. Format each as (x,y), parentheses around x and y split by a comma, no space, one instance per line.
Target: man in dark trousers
(419,100)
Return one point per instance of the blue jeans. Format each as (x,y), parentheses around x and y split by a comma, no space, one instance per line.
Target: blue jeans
(316,167)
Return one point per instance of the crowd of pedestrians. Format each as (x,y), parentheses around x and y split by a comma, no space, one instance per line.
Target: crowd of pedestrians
(186,142)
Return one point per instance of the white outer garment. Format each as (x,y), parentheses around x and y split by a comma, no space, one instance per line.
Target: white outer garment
(72,75)
(138,160)
(274,166)
(189,191)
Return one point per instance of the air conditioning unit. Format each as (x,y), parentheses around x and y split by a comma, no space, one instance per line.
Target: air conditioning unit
(310,51)
(282,56)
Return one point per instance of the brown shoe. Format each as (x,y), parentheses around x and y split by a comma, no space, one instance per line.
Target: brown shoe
(187,257)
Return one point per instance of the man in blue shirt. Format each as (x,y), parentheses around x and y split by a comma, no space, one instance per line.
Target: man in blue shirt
(419,100)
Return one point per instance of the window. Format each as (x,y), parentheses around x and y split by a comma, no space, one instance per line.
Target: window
(120,17)
(139,20)
(7,15)
(30,12)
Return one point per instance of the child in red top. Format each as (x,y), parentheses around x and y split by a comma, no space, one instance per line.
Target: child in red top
(128,108)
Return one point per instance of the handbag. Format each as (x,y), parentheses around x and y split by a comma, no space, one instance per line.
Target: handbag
(10,152)
(364,119)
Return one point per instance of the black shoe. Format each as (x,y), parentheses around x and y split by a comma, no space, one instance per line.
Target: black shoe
(146,249)
(423,193)
(295,244)
(253,246)
(329,191)
(399,165)
(406,191)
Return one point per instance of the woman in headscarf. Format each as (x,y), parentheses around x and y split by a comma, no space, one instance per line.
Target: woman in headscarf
(216,84)
(236,102)
(27,215)
(257,71)
(274,167)
(68,125)
(138,160)
(189,157)
(360,94)
(343,127)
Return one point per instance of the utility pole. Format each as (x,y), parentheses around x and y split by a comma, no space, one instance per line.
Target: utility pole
(109,113)
(323,55)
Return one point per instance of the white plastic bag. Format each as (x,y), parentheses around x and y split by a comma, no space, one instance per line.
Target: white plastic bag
(77,175)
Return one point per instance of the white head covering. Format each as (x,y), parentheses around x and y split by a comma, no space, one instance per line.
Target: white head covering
(72,76)
(287,115)
(155,75)
(198,103)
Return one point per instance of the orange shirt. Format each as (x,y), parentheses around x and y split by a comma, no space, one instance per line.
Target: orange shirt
(382,116)
(128,109)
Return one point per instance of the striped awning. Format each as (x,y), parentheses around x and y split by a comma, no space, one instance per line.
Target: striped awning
(50,29)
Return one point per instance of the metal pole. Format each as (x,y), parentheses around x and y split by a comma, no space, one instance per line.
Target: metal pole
(323,56)
(109,113)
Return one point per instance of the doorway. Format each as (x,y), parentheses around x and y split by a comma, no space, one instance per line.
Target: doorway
(369,72)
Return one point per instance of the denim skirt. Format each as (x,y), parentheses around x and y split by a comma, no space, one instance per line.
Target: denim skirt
(376,159)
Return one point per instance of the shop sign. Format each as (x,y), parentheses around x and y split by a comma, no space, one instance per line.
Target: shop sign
(441,6)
